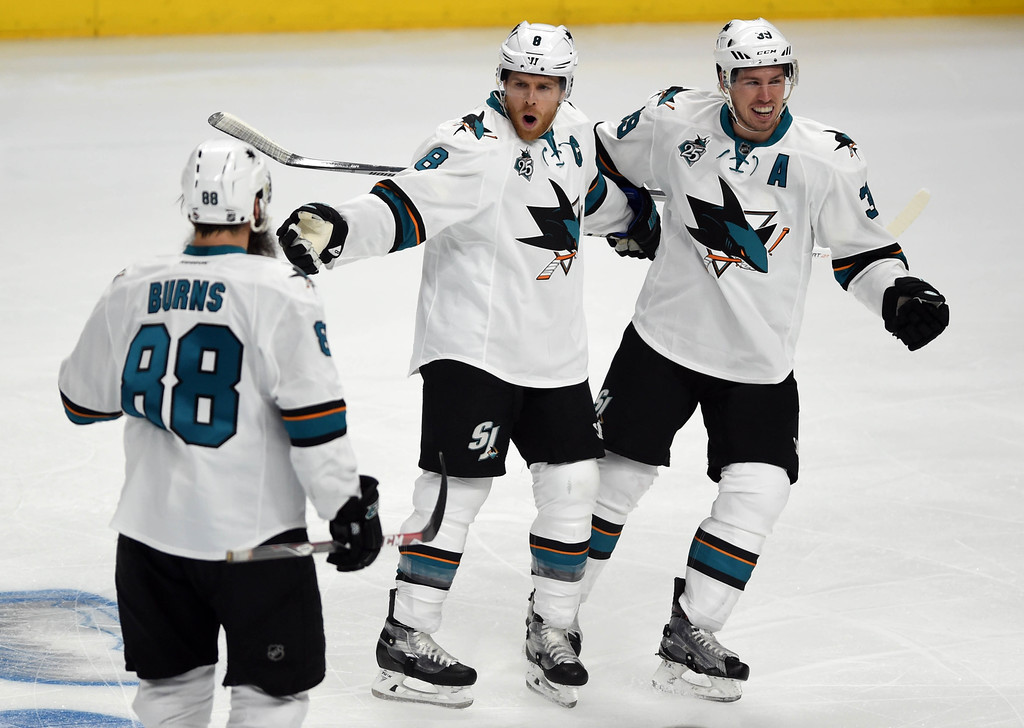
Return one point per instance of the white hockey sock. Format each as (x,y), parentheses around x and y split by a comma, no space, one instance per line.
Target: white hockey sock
(594,569)
(182,701)
(419,605)
(253,708)
(722,556)
(565,495)
(622,483)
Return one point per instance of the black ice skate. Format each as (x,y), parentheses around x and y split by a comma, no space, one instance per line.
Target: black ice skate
(405,654)
(553,668)
(694,663)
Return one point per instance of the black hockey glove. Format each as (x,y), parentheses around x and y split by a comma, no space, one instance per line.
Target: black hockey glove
(914,312)
(644,234)
(356,529)
(313,236)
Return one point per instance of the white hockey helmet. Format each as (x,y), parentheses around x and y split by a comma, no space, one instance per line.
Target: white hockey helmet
(751,43)
(221,181)
(545,50)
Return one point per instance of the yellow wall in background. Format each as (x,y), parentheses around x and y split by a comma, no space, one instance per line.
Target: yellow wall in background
(76,18)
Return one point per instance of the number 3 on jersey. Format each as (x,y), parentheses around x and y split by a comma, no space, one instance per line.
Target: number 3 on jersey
(207,367)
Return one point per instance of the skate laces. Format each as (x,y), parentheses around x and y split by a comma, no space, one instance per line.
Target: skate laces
(555,643)
(708,642)
(420,644)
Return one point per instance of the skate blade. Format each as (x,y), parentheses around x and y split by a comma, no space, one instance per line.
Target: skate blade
(396,686)
(676,678)
(565,695)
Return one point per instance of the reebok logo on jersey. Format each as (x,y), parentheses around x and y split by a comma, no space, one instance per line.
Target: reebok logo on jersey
(730,239)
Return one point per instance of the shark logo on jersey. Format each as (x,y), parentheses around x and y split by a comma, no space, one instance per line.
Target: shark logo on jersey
(560,231)
(730,239)
(668,96)
(475,124)
(842,140)
(694,149)
(524,165)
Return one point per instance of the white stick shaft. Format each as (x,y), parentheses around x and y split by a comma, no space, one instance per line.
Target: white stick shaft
(233,126)
(908,214)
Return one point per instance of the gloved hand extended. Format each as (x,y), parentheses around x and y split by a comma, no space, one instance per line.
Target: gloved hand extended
(313,236)
(914,312)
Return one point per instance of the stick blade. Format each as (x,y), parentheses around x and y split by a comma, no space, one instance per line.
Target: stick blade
(233,126)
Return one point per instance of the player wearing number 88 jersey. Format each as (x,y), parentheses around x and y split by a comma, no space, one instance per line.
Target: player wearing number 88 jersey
(235,416)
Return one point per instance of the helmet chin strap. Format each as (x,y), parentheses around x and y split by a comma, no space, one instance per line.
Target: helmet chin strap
(736,118)
(260,222)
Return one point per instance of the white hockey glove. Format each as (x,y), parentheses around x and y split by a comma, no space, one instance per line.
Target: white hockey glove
(313,236)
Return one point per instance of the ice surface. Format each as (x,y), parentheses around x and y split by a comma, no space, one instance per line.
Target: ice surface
(891,592)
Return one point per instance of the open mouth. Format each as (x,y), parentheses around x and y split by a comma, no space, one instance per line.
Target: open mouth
(529,120)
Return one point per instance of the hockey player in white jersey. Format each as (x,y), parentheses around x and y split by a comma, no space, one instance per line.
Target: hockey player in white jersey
(235,416)
(750,190)
(500,198)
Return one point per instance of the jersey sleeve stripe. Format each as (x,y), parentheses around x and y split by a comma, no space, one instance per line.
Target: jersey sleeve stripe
(607,167)
(85,416)
(846,269)
(596,194)
(409,228)
(317,424)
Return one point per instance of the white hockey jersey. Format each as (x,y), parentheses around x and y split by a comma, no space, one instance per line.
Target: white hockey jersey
(725,294)
(235,409)
(502,281)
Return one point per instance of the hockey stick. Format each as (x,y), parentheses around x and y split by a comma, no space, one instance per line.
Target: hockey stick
(307,548)
(233,126)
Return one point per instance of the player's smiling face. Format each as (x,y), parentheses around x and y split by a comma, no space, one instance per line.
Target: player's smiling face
(758,96)
(531,102)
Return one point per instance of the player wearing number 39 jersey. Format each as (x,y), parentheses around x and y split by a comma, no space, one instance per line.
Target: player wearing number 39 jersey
(235,416)
(750,189)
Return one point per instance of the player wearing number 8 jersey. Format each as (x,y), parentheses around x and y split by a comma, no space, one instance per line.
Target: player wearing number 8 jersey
(500,198)
(236,416)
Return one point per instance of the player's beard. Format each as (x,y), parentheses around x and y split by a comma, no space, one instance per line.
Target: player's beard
(263,243)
